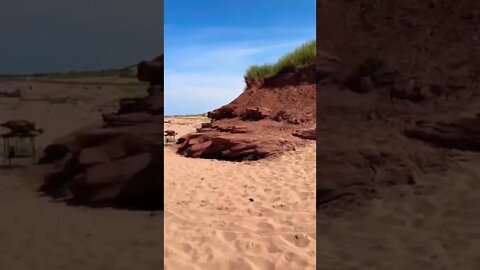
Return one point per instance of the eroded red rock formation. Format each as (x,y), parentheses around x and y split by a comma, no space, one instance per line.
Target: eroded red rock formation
(264,120)
(119,164)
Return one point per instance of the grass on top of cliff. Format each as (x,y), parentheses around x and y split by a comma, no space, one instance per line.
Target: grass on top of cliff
(303,56)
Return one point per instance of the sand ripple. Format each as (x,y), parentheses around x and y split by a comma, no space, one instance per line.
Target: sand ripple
(224,215)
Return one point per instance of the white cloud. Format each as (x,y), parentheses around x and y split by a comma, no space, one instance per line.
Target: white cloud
(202,85)
(198,92)
(225,57)
(209,73)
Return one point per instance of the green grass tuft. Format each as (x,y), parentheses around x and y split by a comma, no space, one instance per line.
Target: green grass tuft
(303,56)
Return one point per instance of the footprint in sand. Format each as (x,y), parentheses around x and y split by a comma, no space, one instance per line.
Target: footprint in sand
(299,240)
(265,227)
(240,264)
(251,247)
(205,255)
(185,247)
(229,236)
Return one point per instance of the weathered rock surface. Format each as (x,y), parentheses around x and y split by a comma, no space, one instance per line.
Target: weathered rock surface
(396,79)
(232,146)
(120,163)
(154,100)
(222,113)
(114,148)
(54,152)
(310,134)
(255,114)
(462,134)
(260,122)
(132,105)
(326,65)
(151,71)
(151,104)
(100,182)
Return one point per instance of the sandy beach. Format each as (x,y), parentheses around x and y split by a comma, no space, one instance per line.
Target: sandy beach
(432,227)
(36,233)
(239,215)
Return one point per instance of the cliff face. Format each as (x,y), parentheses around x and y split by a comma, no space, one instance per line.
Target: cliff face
(435,40)
(288,93)
(266,119)
(397,95)
(121,163)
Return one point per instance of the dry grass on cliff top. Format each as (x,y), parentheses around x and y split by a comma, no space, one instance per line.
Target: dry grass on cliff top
(305,55)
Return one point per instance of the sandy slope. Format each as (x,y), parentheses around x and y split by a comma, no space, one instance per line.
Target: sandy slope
(435,230)
(224,215)
(36,233)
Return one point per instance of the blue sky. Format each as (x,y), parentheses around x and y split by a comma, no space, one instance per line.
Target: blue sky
(59,35)
(209,44)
